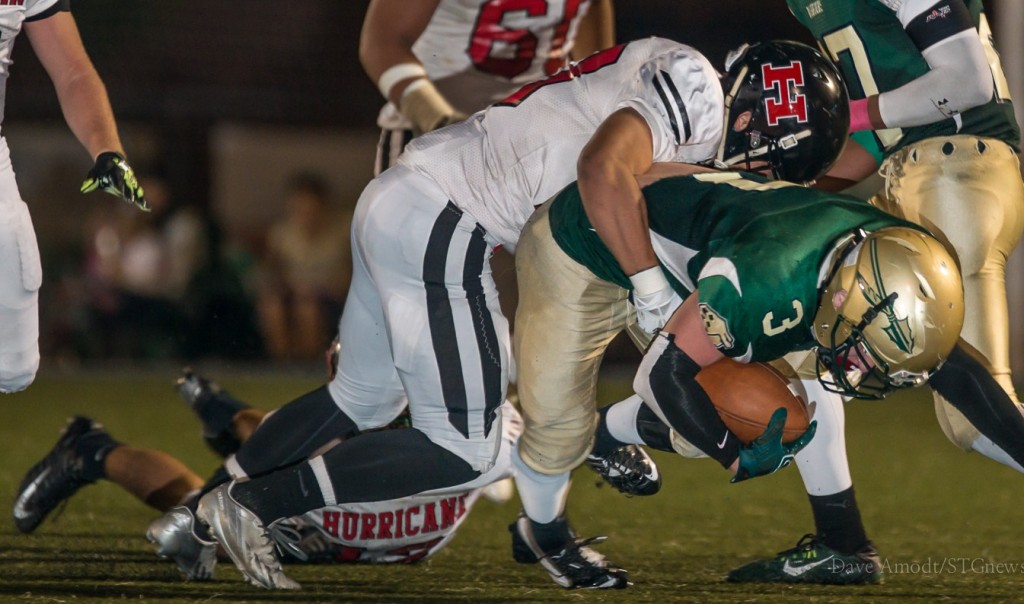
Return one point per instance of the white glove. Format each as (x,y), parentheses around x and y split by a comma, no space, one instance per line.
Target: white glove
(654,299)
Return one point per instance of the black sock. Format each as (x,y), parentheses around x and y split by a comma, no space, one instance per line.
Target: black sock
(652,430)
(604,442)
(552,536)
(217,412)
(838,522)
(219,477)
(283,494)
(93,447)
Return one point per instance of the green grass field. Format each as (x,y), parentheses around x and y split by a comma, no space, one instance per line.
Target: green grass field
(942,519)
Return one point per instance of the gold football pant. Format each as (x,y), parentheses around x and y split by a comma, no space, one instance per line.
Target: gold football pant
(565,320)
(968,192)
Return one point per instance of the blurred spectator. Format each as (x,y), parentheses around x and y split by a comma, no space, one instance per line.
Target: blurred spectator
(139,269)
(307,267)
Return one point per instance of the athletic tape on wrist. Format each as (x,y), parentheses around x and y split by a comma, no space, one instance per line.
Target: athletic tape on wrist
(415,85)
(396,73)
(859,118)
(648,281)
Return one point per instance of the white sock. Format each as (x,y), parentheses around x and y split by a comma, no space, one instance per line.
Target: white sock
(621,420)
(992,451)
(543,495)
(822,463)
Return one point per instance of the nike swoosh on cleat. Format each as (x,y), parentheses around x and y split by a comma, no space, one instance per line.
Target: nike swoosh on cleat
(796,571)
(19,507)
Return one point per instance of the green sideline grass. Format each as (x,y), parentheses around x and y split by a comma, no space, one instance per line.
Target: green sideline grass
(942,519)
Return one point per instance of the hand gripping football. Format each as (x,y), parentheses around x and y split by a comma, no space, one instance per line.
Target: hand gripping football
(746,395)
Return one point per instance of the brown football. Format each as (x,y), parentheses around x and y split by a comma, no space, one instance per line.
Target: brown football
(746,395)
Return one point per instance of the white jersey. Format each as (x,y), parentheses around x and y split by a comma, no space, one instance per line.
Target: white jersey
(502,162)
(477,52)
(12,14)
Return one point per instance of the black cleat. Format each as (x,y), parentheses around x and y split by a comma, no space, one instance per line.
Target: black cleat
(573,566)
(194,389)
(811,561)
(203,396)
(629,469)
(56,477)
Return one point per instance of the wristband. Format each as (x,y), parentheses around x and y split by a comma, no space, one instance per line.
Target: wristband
(396,73)
(859,118)
(648,281)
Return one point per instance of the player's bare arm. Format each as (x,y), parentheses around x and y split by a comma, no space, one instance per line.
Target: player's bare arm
(854,165)
(597,30)
(607,169)
(390,29)
(83,98)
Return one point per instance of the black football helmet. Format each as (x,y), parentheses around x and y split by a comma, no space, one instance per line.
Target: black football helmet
(799,110)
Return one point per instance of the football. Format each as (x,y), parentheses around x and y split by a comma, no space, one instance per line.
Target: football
(746,395)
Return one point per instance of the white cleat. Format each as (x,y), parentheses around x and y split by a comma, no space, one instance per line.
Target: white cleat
(244,539)
(499,491)
(175,538)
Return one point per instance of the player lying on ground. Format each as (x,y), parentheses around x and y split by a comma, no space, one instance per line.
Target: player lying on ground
(403,530)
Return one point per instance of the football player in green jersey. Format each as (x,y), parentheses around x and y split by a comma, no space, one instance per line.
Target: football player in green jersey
(930,102)
(765,269)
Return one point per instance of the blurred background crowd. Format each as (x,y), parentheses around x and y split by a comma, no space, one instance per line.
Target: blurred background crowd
(252,125)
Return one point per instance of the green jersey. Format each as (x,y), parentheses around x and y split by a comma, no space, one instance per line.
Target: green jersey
(754,250)
(875,55)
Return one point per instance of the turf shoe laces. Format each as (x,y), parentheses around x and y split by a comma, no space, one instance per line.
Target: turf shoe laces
(811,561)
(574,565)
(629,469)
(244,538)
(56,477)
(175,537)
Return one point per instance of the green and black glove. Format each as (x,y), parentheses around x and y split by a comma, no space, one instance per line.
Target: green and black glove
(113,175)
(767,453)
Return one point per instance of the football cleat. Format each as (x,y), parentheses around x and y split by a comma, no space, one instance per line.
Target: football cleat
(244,538)
(573,566)
(811,561)
(197,392)
(629,469)
(56,477)
(175,537)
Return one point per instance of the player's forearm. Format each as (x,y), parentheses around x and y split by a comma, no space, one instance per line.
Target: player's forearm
(958,80)
(390,29)
(615,207)
(83,100)
(667,381)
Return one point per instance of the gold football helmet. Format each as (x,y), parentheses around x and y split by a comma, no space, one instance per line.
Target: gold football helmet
(890,313)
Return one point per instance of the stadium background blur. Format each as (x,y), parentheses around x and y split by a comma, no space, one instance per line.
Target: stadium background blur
(224,102)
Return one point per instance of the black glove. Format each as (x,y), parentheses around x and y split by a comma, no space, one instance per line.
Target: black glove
(113,175)
(767,453)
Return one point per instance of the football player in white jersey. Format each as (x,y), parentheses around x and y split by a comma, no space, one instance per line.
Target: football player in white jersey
(54,37)
(438,61)
(403,530)
(422,321)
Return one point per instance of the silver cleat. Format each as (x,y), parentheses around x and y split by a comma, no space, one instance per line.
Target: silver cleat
(175,538)
(243,537)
